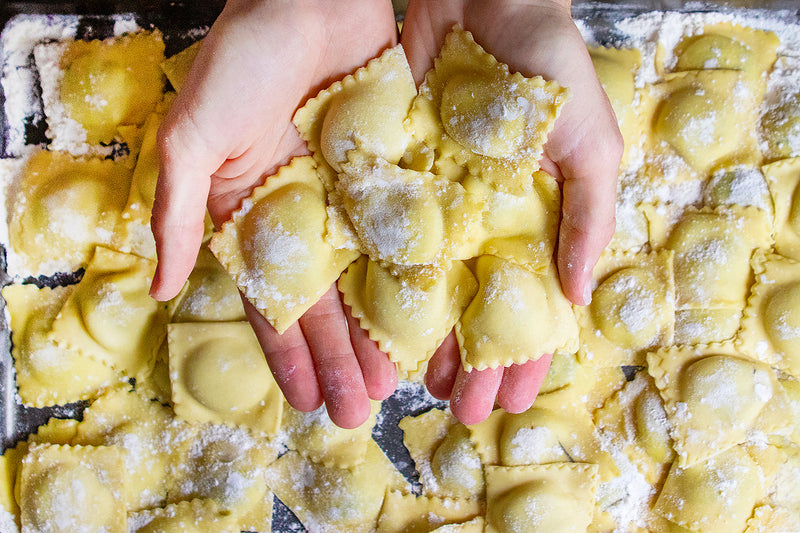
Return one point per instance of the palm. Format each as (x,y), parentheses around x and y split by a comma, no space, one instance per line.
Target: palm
(583,150)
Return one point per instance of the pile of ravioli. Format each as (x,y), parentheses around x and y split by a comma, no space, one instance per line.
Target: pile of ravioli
(673,401)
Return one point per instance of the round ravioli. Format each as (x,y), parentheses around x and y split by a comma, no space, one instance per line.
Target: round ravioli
(535,506)
(782,321)
(698,124)
(484,116)
(629,308)
(213,365)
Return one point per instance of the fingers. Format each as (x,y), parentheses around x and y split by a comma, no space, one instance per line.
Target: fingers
(380,374)
(472,399)
(442,368)
(521,384)
(338,372)
(179,209)
(289,359)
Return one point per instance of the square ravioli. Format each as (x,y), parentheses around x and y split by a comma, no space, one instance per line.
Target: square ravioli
(713,496)
(716,398)
(59,208)
(408,322)
(473,111)
(403,512)
(707,118)
(783,178)
(727,46)
(632,308)
(111,317)
(274,246)
(713,248)
(516,316)
(210,295)
(90,88)
(46,373)
(445,457)
(219,374)
(779,130)
(329,499)
(65,488)
(771,323)
(203,515)
(315,437)
(615,69)
(363,112)
(540,498)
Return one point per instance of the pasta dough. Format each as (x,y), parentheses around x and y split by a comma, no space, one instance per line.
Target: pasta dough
(60,483)
(219,374)
(110,315)
(60,208)
(472,110)
(407,322)
(274,246)
(516,316)
(47,374)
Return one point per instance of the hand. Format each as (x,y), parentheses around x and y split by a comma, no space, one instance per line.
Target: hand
(229,127)
(583,152)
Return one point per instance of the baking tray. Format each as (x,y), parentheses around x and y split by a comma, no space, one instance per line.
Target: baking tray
(184,22)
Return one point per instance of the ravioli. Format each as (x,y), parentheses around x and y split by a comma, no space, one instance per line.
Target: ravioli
(362,112)
(715,398)
(771,324)
(99,85)
(705,117)
(727,46)
(274,246)
(616,69)
(632,309)
(553,498)
(60,483)
(712,255)
(779,130)
(407,217)
(176,67)
(783,178)
(45,373)
(315,437)
(328,499)
(404,512)
(472,110)
(516,316)
(60,208)
(210,295)
(228,466)
(110,315)
(195,516)
(219,374)
(715,496)
(408,322)
(147,437)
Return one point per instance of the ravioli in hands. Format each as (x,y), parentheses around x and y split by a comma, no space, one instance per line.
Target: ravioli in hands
(419,186)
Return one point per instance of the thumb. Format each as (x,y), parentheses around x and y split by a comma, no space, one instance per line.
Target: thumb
(180,202)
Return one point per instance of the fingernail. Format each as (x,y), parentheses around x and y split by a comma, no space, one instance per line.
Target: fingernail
(587,293)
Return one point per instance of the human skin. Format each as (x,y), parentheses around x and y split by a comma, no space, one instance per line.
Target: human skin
(231,126)
(534,37)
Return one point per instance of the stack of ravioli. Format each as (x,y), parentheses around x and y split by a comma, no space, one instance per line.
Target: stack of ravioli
(673,401)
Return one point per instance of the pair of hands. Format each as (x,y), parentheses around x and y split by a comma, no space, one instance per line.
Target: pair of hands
(231,126)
